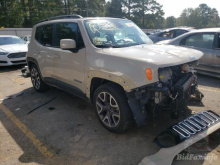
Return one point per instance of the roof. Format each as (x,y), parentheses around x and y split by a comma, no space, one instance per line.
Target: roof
(208,30)
(73,17)
(181,27)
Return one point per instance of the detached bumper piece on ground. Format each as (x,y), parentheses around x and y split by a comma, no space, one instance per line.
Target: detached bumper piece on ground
(25,71)
(183,135)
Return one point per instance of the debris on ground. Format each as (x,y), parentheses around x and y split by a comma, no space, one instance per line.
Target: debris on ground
(41,105)
(12,96)
(25,71)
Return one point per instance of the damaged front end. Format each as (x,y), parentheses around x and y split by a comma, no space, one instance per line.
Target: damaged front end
(176,85)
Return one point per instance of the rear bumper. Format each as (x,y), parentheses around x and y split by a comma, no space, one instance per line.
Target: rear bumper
(176,97)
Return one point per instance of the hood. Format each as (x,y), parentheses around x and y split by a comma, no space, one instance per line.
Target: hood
(14,48)
(160,55)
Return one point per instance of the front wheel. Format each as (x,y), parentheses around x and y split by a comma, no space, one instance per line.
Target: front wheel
(36,79)
(112,108)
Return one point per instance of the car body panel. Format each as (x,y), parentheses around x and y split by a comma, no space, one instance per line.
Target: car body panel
(210,62)
(72,65)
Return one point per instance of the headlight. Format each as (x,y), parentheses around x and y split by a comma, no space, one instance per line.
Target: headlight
(165,75)
(3,53)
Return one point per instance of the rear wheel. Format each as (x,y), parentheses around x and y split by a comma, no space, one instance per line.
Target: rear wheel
(36,79)
(112,108)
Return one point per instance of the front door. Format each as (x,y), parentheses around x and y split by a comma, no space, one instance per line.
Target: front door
(203,42)
(69,65)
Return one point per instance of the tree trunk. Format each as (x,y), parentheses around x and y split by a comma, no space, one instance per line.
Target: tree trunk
(25,12)
(68,4)
(129,8)
(4,9)
(65,6)
(143,14)
(30,5)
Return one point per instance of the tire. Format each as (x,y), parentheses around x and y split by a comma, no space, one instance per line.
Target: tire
(114,115)
(38,84)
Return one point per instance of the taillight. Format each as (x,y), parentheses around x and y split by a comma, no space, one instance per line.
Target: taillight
(149,73)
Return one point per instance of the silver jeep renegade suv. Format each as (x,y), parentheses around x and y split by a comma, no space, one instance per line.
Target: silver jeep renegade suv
(111,63)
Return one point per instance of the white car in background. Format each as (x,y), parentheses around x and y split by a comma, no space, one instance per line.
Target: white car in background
(12,50)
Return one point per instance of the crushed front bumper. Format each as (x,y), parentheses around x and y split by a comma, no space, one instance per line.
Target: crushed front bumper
(158,95)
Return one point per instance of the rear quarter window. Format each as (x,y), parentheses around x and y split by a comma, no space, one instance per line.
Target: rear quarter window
(44,34)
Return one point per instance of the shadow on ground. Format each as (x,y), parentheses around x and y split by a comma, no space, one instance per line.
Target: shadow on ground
(209,81)
(10,68)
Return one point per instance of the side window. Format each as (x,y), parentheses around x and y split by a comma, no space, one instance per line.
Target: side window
(44,35)
(68,31)
(169,34)
(200,40)
(37,34)
(218,41)
(180,32)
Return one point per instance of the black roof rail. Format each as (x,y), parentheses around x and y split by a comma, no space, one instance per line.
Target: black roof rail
(73,16)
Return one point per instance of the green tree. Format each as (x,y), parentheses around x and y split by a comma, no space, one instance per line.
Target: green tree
(148,14)
(170,22)
(114,9)
(200,17)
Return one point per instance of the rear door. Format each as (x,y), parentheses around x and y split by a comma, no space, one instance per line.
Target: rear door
(42,52)
(217,54)
(203,42)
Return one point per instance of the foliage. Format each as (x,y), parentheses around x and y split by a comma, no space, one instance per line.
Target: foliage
(170,22)
(145,13)
(200,17)
(26,13)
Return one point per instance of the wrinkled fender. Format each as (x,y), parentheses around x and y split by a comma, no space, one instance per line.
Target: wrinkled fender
(115,77)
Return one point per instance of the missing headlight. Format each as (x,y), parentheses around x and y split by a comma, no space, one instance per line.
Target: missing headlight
(165,75)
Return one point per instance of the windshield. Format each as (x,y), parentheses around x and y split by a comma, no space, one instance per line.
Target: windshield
(11,40)
(115,33)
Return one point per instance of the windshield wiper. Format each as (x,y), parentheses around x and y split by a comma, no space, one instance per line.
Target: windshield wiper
(103,46)
(133,44)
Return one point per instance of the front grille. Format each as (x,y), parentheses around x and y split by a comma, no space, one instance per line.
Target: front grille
(3,62)
(20,61)
(17,55)
(196,123)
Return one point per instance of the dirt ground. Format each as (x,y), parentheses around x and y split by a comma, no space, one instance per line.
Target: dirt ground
(66,130)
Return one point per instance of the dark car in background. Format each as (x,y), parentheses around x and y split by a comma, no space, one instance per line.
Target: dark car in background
(169,33)
(206,41)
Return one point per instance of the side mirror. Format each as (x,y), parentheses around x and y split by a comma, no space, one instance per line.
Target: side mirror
(67,44)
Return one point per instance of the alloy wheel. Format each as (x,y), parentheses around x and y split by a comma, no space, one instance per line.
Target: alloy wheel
(108,109)
(35,78)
